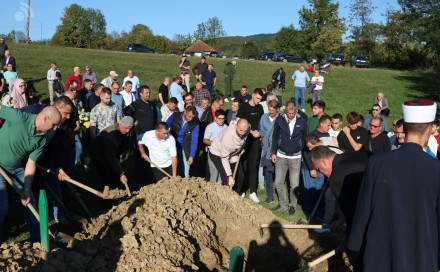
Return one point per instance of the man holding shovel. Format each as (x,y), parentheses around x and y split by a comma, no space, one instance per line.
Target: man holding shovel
(23,135)
(225,149)
(106,150)
(162,151)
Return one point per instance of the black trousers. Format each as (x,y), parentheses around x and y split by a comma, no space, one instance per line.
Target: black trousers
(158,175)
(247,176)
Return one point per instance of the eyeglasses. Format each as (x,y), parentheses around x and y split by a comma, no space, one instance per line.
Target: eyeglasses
(221,118)
(188,100)
(371,125)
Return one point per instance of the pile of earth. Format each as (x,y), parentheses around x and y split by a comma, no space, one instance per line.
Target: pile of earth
(174,225)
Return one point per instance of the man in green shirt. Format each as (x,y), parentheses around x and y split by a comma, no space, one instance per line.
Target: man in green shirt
(318,109)
(22,136)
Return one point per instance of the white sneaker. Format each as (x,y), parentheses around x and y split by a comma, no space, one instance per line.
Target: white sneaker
(254,198)
(226,100)
(303,110)
(243,195)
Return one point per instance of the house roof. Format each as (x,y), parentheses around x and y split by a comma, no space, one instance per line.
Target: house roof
(199,46)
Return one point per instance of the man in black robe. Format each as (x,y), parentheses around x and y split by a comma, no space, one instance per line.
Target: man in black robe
(397,220)
(345,173)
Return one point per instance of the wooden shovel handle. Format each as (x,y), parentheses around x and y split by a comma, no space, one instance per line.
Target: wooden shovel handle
(158,168)
(74,182)
(127,189)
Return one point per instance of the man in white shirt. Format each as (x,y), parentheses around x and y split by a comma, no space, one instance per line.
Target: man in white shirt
(168,109)
(51,76)
(127,94)
(134,81)
(315,86)
(108,81)
(336,125)
(162,149)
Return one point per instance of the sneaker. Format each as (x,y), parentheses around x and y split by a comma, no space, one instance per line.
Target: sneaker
(291,211)
(278,208)
(243,195)
(303,110)
(226,100)
(254,198)
(269,201)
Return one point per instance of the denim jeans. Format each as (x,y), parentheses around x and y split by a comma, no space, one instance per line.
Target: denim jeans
(312,191)
(17,176)
(268,176)
(183,166)
(317,95)
(79,156)
(281,167)
(260,176)
(213,172)
(299,91)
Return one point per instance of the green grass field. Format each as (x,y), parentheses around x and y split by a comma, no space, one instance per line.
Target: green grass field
(346,89)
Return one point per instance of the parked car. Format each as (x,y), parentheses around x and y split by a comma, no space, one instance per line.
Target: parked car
(278,56)
(214,54)
(268,56)
(360,61)
(140,48)
(294,58)
(336,59)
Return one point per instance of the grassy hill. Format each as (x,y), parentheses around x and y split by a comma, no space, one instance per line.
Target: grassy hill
(346,89)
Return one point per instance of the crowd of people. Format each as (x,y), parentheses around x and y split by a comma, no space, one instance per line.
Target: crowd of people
(260,143)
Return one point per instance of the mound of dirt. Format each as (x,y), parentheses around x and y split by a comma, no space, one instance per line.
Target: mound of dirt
(174,225)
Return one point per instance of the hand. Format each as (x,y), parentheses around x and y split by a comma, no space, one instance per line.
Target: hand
(313,173)
(346,130)
(231,182)
(274,158)
(255,133)
(206,149)
(27,197)
(123,179)
(190,160)
(145,157)
(62,176)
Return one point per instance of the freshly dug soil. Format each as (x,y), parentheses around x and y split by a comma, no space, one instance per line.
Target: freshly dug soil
(113,193)
(174,225)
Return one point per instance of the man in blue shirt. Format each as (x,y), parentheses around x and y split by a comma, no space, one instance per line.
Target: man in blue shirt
(185,129)
(177,91)
(209,78)
(300,78)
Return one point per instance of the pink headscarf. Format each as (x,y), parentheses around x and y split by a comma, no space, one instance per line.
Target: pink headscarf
(18,94)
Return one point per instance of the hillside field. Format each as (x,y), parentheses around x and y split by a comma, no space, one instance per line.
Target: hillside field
(346,89)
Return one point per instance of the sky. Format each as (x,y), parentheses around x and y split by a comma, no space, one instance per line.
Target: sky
(170,17)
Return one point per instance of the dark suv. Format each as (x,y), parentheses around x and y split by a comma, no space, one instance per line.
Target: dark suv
(294,58)
(337,59)
(360,61)
(266,56)
(140,48)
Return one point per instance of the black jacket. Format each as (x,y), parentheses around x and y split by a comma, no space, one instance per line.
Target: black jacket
(11,61)
(289,144)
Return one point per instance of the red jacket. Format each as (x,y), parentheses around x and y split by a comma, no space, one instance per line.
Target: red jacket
(77,78)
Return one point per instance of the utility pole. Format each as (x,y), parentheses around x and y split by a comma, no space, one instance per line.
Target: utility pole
(28,21)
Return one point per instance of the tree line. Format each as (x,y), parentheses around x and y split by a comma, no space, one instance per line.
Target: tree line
(409,37)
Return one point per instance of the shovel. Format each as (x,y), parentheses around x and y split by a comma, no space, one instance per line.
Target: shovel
(320,259)
(287,226)
(79,184)
(31,207)
(158,168)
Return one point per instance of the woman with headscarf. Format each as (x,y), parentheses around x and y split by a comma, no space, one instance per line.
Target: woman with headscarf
(18,94)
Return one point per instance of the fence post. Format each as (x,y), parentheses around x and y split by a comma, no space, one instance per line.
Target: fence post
(44,221)
(236,259)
